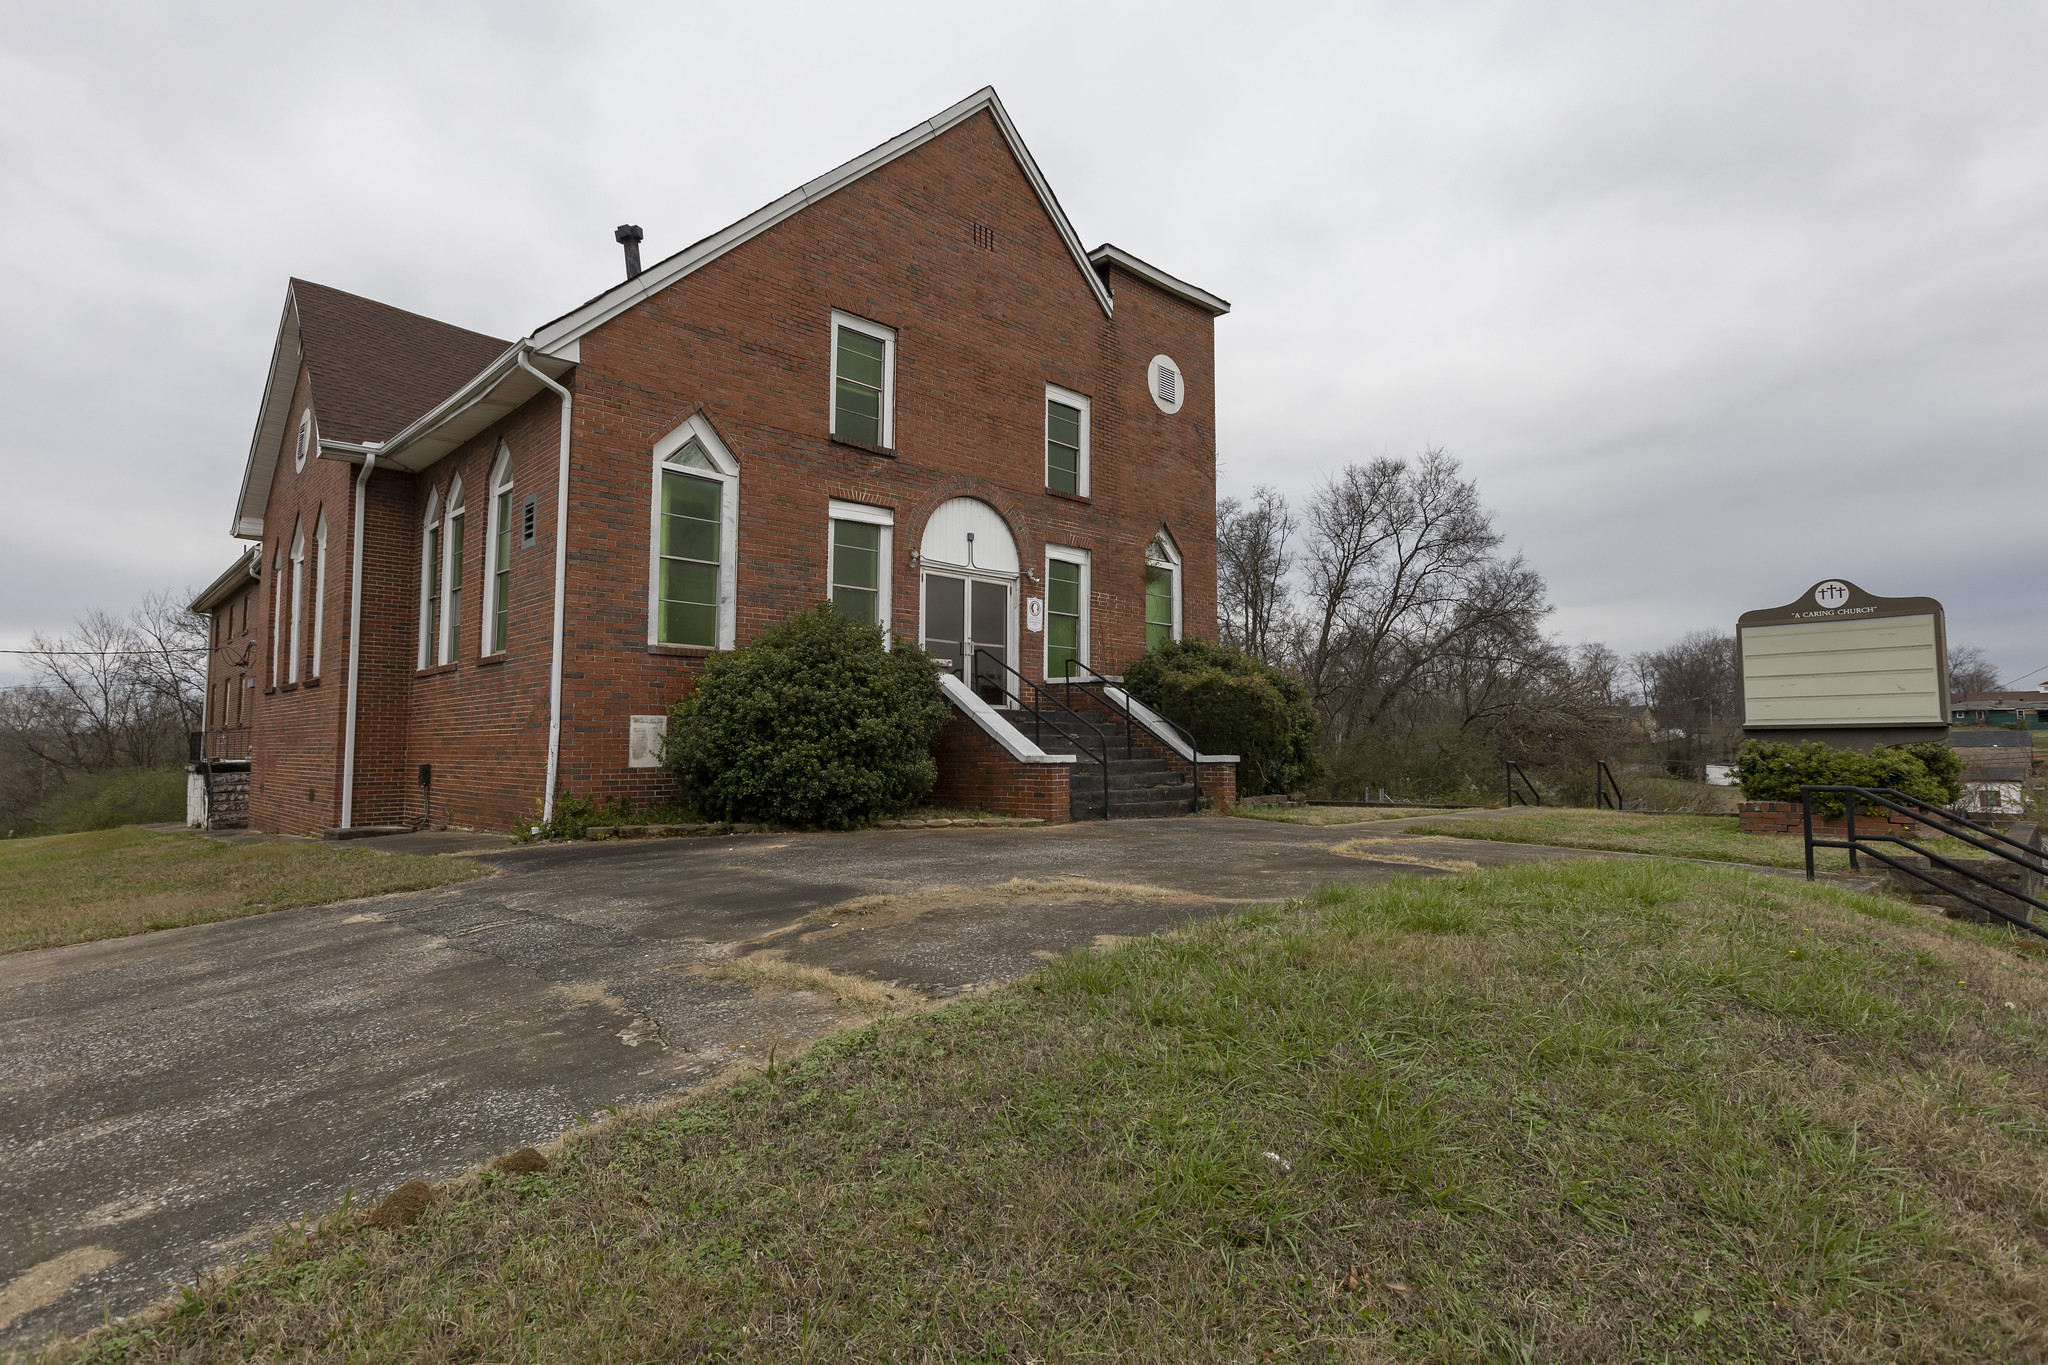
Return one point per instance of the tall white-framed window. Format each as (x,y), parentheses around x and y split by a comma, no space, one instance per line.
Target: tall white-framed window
(1066,441)
(1067,588)
(452,523)
(863,381)
(498,572)
(276,610)
(319,587)
(298,602)
(693,533)
(1162,591)
(304,447)
(858,553)
(430,580)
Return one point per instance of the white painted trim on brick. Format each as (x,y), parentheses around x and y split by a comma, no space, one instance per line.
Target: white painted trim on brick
(885,584)
(319,587)
(272,414)
(994,725)
(499,483)
(1068,555)
(1153,275)
(885,335)
(1170,559)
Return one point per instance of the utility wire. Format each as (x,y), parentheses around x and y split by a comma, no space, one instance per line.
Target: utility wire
(113,653)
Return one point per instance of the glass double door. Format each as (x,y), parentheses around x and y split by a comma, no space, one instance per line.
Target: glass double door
(967,629)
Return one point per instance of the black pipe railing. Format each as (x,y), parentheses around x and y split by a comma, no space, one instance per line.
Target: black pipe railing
(1603,783)
(1943,822)
(1131,723)
(1534,798)
(1040,717)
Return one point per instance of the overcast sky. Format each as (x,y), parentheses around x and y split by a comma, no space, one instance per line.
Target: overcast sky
(1715,300)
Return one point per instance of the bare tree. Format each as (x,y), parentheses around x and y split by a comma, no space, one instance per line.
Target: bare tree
(1692,686)
(1970,670)
(1252,562)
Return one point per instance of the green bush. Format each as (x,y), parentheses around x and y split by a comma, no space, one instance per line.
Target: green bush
(815,723)
(1233,704)
(574,814)
(120,796)
(1775,772)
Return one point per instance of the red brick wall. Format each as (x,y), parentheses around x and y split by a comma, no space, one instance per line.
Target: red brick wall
(746,341)
(1786,817)
(1219,785)
(977,773)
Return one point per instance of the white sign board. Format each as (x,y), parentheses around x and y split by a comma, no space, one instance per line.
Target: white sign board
(644,737)
(1839,657)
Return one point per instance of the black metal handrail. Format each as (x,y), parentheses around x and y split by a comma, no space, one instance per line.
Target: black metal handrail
(1534,798)
(1130,728)
(1130,721)
(1040,717)
(1603,782)
(1914,808)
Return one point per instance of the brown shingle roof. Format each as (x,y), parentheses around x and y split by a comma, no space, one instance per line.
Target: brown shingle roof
(376,368)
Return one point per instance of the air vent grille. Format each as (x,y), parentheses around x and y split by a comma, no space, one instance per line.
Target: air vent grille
(984,236)
(1169,384)
(1169,387)
(526,521)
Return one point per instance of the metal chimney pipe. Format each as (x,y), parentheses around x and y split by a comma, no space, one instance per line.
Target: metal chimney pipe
(629,236)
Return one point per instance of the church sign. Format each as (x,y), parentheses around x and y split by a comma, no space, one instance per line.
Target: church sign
(1846,666)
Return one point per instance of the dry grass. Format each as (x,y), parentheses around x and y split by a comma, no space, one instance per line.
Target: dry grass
(1331,815)
(1585,1111)
(767,973)
(71,888)
(1404,853)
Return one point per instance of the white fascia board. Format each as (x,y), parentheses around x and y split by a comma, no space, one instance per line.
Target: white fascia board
(994,725)
(1165,733)
(231,581)
(483,393)
(565,330)
(1209,303)
(285,358)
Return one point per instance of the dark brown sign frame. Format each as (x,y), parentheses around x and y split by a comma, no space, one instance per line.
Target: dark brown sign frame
(1837,599)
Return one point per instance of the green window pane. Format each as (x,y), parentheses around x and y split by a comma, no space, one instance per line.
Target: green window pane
(684,495)
(688,623)
(503,614)
(861,357)
(1158,605)
(1062,618)
(1063,588)
(683,580)
(501,564)
(857,396)
(1063,424)
(686,538)
(856,555)
(859,603)
(692,454)
(455,525)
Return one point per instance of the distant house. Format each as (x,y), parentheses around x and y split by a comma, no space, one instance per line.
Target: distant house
(2029,709)
(1996,764)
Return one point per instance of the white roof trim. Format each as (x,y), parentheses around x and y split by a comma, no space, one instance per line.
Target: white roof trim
(565,330)
(994,725)
(271,415)
(1152,274)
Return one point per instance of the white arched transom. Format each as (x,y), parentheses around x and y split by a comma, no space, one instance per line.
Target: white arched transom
(966,533)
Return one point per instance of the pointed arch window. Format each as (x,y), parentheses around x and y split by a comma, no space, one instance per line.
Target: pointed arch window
(695,527)
(430,582)
(298,601)
(451,575)
(498,541)
(276,610)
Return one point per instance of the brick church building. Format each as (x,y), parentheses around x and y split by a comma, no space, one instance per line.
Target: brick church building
(480,569)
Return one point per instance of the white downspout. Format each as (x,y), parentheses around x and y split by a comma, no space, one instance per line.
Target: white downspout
(547,810)
(355,645)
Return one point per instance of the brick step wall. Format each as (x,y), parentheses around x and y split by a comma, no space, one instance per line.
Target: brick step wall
(1784,817)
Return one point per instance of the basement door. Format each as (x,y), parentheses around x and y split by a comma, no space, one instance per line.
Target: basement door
(966,626)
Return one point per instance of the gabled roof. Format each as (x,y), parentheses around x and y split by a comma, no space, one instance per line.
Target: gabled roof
(238,575)
(1108,254)
(566,329)
(374,368)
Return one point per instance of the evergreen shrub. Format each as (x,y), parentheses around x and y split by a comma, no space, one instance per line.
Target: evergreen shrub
(814,724)
(1233,704)
(1771,771)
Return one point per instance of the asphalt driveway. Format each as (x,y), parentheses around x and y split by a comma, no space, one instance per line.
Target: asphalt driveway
(167,1099)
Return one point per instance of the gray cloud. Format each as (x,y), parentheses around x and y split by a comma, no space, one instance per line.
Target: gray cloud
(1714,300)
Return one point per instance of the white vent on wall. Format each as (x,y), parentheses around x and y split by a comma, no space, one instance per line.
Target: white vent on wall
(1169,390)
(305,438)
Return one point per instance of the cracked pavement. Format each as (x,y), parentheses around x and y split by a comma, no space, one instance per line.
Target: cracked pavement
(168,1099)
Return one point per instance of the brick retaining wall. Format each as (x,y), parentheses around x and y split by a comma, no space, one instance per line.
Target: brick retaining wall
(977,773)
(1784,817)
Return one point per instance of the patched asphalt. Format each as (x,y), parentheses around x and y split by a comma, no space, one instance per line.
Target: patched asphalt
(173,1097)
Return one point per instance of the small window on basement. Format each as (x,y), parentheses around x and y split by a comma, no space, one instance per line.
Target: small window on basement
(863,380)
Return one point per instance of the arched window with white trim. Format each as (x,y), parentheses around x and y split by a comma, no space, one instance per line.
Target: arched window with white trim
(319,587)
(498,572)
(691,572)
(430,581)
(276,610)
(451,575)
(1162,591)
(298,601)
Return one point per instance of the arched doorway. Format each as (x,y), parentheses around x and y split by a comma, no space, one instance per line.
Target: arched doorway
(968,596)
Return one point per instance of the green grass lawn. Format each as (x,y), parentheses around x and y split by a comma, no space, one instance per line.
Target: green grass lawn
(1673,836)
(1590,1111)
(69,888)
(1328,815)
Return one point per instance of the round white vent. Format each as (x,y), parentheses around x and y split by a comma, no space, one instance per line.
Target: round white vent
(1163,377)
